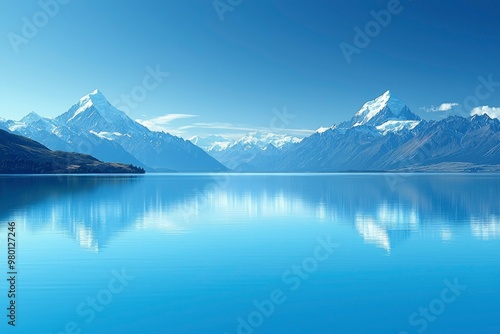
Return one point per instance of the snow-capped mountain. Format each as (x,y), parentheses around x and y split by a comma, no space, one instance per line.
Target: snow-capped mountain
(236,154)
(263,139)
(386,107)
(3,124)
(94,113)
(96,127)
(385,135)
(386,113)
(211,143)
(383,115)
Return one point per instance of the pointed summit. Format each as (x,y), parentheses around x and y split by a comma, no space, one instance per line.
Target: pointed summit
(93,112)
(31,118)
(92,105)
(371,108)
(96,98)
(384,108)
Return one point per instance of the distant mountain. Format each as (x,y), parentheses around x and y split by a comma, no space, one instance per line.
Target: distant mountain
(384,135)
(211,143)
(237,154)
(3,124)
(96,127)
(20,155)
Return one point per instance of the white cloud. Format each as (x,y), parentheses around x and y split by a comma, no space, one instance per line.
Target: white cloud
(243,129)
(492,112)
(159,123)
(163,123)
(443,107)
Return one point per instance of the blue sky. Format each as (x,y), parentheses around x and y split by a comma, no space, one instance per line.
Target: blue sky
(274,64)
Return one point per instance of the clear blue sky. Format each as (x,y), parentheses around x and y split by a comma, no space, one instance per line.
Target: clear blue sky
(264,55)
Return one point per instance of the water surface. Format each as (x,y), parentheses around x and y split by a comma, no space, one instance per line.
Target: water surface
(323,253)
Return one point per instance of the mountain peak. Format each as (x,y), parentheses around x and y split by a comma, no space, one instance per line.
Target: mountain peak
(373,107)
(385,107)
(93,112)
(96,98)
(92,101)
(31,118)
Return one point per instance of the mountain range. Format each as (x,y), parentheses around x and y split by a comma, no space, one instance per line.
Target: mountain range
(236,154)
(384,135)
(94,126)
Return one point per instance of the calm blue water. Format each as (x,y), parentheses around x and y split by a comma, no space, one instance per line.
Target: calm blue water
(344,253)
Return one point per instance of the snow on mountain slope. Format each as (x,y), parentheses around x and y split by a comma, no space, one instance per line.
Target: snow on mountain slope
(96,127)
(384,108)
(262,139)
(324,129)
(3,124)
(371,108)
(385,114)
(253,140)
(396,126)
(94,112)
(241,152)
(211,143)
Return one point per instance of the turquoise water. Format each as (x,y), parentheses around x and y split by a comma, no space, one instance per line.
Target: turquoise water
(344,253)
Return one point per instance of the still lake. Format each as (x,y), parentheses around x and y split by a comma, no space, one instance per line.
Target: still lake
(282,253)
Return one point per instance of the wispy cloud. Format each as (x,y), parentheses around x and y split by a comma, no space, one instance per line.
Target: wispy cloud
(165,124)
(160,123)
(242,128)
(492,112)
(441,108)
